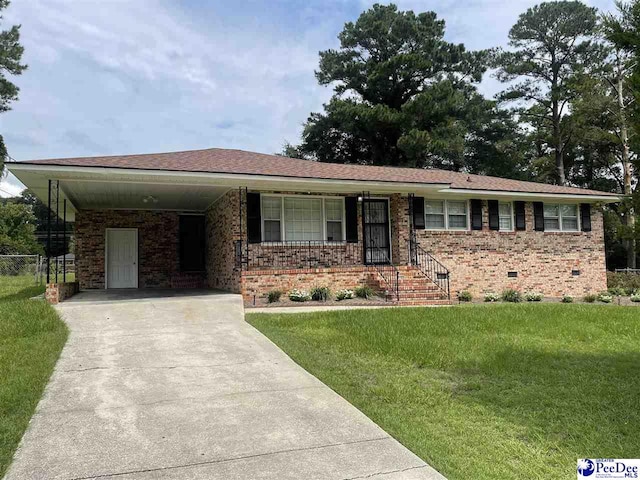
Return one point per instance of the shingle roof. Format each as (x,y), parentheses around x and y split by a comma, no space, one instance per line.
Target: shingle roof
(219,160)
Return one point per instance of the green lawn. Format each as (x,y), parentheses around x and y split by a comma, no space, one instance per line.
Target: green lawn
(482,392)
(31,338)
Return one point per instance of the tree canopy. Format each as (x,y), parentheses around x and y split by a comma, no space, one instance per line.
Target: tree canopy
(403,96)
(10,56)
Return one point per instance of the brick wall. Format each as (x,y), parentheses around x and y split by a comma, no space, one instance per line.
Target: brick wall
(223,229)
(259,282)
(479,261)
(158,258)
(59,292)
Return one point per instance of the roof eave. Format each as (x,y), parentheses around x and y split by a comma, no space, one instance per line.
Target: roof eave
(301,183)
(585,197)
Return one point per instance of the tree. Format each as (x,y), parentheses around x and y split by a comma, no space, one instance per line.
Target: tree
(552,43)
(10,56)
(17,230)
(403,96)
(623,31)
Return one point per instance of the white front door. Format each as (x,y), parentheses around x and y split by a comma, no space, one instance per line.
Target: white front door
(122,258)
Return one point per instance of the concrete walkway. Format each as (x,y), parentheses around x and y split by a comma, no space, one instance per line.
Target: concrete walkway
(155,387)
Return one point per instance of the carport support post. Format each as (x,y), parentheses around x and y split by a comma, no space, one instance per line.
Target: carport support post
(49,234)
(64,241)
(57,224)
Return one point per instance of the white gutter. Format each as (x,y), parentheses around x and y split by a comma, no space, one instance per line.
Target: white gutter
(530,195)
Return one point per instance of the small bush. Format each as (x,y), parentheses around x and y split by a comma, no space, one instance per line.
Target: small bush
(566,299)
(635,297)
(274,296)
(344,294)
(590,298)
(511,295)
(617,291)
(364,291)
(296,295)
(491,297)
(533,297)
(465,296)
(320,294)
(604,297)
(629,281)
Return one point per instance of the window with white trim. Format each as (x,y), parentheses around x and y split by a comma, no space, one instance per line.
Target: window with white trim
(505,216)
(561,217)
(334,217)
(446,215)
(301,218)
(271,219)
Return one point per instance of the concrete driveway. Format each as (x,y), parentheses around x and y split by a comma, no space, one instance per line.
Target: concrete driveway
(157,387)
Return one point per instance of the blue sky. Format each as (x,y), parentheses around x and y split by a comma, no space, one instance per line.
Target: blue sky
(108,77)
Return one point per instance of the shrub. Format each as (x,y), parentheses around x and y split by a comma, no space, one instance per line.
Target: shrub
(635,297)
(617,291)
(274,296)
(364,291)
(296,295)
(533,297)
(491,297)
(511,295)
(344,294)
(320,294)
(590,298)
(566,299)
(629,281)
(604,297)
(465,296)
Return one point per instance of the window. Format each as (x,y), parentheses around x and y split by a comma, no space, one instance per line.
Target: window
(191,240)
(334,214)
(271,218)
(435,215)
(569,217)
(457,215)
(561,218)
(300,218)
(446,215)
(505,215)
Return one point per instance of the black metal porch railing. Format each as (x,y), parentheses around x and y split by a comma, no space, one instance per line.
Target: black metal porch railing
(297,254)
(430,267)
(379,259)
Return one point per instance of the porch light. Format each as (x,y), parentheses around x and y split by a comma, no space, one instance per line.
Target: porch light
(149,199)
(360,198)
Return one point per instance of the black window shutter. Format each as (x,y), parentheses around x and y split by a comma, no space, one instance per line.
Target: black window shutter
(538,216)
(254,221)
(494,215)
(418,213)
(521,223)
(351,212)
(585,213)
(476,214)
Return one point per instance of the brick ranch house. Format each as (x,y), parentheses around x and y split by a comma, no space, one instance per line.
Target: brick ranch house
(250,223)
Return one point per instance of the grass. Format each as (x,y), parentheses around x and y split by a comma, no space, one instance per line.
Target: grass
(31,338)
(482,392)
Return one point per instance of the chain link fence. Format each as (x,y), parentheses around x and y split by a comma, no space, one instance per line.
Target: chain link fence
(23,265)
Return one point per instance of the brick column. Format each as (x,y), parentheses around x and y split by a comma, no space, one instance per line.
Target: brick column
(399,206)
